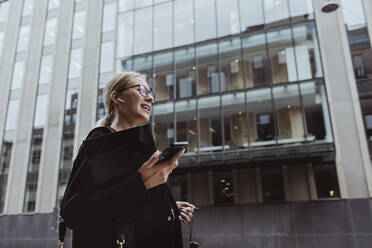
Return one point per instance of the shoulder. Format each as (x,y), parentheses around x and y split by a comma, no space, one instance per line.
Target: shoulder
(98,131)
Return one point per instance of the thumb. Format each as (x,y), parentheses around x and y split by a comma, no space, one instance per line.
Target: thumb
(152,160)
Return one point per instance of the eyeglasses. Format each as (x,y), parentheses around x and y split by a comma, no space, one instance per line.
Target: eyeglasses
(142,90)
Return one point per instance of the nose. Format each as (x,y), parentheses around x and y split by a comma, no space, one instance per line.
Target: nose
(149,97)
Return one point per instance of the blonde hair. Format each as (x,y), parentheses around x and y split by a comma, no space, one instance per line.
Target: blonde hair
(116,83)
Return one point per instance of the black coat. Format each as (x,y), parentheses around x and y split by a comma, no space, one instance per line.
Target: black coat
(101,205)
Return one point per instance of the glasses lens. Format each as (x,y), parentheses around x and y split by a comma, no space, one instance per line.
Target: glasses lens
(144,91)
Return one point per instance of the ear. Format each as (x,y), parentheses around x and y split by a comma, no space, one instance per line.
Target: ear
(113,97)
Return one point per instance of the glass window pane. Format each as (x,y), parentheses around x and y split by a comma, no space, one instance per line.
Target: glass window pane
(4,10)
(272,184)
(46,69)
(109,14)
(223,188)
(124,65)
(142,3)
(186,124)
(24,34)
(184,22)
(185,72)
(107,57)
(27,7)
(282,55)
(210,124)
(163,76)
(79,25)
(143,65)
(162,27)
(276,12)
(41,110)
(1,41)
(308,59)
(50,31)
(207,69)
(205,23)
(125,35)
(257,68)
(53,4)
(143,31)
(125,5)
(12,115)
(75,63)
(163,124)
(289,114)
(301,9)
(353,12)
(326,181)
(160,1)
(316,112)
(17,78)
(251,14)
(260,118)
(228,17)
(236,130)
(231,76)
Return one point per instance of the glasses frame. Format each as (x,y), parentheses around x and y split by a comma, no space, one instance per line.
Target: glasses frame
(148,91)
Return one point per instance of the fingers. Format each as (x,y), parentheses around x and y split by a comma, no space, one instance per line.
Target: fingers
(152,160)
(186,204)
(187,217)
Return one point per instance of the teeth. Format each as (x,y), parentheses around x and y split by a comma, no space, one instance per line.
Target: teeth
(146,107)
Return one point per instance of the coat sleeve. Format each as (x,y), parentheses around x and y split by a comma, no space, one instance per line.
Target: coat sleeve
(87,204)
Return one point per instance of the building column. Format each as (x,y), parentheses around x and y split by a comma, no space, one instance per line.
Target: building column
(287,190)
(259,185)
(235,181)
(352,156)
(368,14)
(211,188)
(87,101)
(23,135)
(51,148)
(311,182)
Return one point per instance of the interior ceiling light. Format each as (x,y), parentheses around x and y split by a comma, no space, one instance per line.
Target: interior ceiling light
(330,6)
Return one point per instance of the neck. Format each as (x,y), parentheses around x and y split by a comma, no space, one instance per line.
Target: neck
(122,124)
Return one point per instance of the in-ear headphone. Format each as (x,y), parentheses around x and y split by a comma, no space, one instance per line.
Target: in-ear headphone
(119,99)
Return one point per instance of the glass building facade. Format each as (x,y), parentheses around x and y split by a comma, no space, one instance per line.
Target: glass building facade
(245,83)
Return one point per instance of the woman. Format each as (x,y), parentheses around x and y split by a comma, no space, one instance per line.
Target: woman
(113,217)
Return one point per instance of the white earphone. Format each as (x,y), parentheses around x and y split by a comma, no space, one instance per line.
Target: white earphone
(119,99)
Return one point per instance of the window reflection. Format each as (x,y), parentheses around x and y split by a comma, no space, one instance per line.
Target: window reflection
(143,65)
(183,22)
(257,68)
(27,7)
(289,113)
(12,115)
(50,31)
(17,78)
(163,125)
(109,14)
(79,25)
(125,5)
(207,69)
(46,69)
(24,34)
(301,10)
(260,117)
(162,27)
(282,55)
(326,181)
(210,124)
(107,56)
(6,152)
(251,15)
(231,76)
(142,3)
(163,76)
(236,130)
(4,11)
(223,188)
(276,12)
(40,111)
(125,35)
(186,123)
(143,30)
(75,63)
(228,17)
(185,72)
(205,23)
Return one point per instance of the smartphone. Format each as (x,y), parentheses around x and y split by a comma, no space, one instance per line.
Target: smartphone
(172,150)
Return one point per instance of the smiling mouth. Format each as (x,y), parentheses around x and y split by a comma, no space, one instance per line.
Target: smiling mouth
(146,108)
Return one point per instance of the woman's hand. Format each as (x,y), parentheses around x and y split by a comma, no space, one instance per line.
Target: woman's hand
(187,210)
(154,175)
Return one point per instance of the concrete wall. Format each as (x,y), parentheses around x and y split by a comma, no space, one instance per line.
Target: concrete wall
(323,224)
